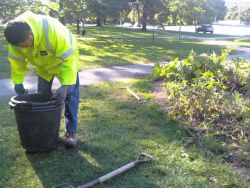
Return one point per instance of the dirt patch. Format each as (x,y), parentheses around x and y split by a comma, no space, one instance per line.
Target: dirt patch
(160,96)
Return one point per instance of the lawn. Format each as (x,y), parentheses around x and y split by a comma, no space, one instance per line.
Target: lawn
(109,46)
(113,130)
(110,52)
(203,35)
(4,65)
(244,42)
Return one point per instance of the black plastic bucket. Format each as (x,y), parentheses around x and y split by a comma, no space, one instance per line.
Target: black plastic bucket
(38,121)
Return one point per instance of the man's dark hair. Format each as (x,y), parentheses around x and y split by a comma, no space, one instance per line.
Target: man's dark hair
(16,32)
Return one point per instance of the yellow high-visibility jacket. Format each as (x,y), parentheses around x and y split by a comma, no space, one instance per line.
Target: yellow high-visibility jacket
(54,53)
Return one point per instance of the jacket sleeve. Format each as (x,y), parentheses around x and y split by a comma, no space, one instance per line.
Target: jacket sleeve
(64,47)
(18,65)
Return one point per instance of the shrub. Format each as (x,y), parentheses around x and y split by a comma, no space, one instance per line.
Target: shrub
(209,92)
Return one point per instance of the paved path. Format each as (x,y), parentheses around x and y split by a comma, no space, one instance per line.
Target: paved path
(241,52)
(87,77)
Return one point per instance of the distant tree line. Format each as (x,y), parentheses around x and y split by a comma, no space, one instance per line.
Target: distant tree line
(240,12)
(139,12)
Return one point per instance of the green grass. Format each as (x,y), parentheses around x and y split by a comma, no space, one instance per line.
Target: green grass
(244,42)
(109,51)
(103,46)
(113,130)
(4,64)
(99,52)
(110,31)
(205,35)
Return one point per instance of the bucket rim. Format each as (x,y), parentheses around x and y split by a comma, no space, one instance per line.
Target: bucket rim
(29,105)
(34,109)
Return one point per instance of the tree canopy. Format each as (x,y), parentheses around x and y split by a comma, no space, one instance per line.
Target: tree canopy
(142,12)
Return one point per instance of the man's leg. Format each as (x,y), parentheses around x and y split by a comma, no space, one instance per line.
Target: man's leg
(44,86)
(71,114)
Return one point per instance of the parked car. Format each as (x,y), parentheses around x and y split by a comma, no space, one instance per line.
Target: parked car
(205,28)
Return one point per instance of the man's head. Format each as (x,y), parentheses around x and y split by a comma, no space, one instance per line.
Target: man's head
(18,33)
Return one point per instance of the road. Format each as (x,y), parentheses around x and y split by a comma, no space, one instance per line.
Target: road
(233,30)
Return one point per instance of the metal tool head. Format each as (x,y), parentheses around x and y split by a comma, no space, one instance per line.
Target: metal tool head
(141,101)
(145,157)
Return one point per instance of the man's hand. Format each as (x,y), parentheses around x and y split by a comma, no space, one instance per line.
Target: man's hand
(61,93)
(19,89)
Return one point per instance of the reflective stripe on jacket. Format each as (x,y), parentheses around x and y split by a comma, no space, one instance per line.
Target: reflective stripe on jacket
(54,53)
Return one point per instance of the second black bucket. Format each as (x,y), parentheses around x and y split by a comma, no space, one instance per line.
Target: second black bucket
(38,121)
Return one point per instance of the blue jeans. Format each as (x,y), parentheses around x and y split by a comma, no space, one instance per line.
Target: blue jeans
(71,102)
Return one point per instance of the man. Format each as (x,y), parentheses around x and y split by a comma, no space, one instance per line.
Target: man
(48,45)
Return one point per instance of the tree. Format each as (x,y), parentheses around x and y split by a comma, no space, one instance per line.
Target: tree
(179,12)
(9,9)
(162,14)
(12,8)
(75,10)
(147,6)
(185,11)
(232,13)
(246,17)
(195,12)
(135,13)
(214,10)
(103,10)
(146,10)
(96,7)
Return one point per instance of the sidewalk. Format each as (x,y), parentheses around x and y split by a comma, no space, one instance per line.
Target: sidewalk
(87,77)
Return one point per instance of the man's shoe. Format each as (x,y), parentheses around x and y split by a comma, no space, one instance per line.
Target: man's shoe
(71,140)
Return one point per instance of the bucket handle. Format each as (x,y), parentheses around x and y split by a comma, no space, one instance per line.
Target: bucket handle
(17,105)
(12,106)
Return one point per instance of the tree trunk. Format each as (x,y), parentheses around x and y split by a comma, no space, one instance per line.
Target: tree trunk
(133,19)
(144,27)
(61,15)
(62,20)
(144,19)
(78,25)
(83,27)
(105,21)
(174,20)
(98,22)
(179,37)
(120,18)
(138,15)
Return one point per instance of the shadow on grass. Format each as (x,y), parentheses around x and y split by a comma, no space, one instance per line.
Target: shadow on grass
(4,64)
(74,167)
(62,167)
(105,144)
(103,52)
(112,31)
(113,131)
(207,35)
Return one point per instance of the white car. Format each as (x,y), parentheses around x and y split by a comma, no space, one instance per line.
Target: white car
(205,28)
